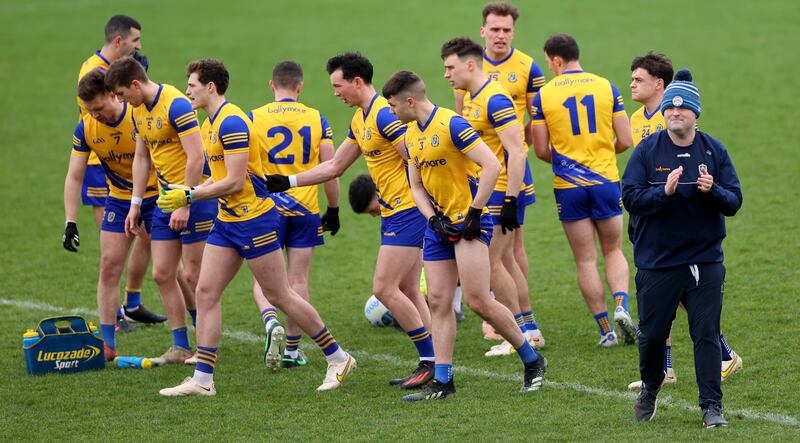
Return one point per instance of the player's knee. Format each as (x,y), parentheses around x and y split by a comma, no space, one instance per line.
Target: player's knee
(439,303)
(163,275)
(111,268)
(205,298)
(477,304)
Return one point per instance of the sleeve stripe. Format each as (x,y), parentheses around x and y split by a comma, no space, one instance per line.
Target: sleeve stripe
(185,118)
(461,134)
(75,141)
(231,134)
(226,139)
(499,115)
(235,140)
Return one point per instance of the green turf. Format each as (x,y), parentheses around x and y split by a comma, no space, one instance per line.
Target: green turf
(740,55)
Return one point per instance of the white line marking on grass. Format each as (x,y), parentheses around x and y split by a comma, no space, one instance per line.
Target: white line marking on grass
(783,419)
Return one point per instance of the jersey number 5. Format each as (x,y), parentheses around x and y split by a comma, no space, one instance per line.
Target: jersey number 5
(305,134)
(572,105)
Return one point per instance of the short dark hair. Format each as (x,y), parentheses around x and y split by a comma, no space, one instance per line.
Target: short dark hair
(353,65)
(462,47)
(500,9)
(656,64)
(120,25)
(92,84)
(123,72)
(562,45)
(287,74)
(403,81)
(362,191)
(210,70)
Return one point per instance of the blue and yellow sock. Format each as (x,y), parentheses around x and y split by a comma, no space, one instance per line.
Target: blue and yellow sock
(443,373)
(133,298)
(667,357)
(206,362)
(120,313)
(527,353)
(520,322)
(725,348)
(422,340)
(108,335)
(193,313)
(621,299)
(530,323)
(292,342)
(603,323)
(268,315)
(324,339)
(180,339)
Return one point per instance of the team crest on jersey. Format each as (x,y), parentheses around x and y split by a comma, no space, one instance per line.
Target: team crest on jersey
(159,123)
(435,141)
(477,113)
(659,127)
(213,137)
(512,77)
(397,201)
(368,134)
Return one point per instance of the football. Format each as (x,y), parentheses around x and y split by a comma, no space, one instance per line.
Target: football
(376,313)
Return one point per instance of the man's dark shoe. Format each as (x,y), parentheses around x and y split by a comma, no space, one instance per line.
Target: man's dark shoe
(435,390)
(645,407)
(143,315)
(713,418)
(534,375)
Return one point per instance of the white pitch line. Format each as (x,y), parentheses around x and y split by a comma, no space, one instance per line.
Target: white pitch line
(783,419)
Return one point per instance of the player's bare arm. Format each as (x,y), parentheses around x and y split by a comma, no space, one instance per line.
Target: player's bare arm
(515,165)
(490,171)
(622,127)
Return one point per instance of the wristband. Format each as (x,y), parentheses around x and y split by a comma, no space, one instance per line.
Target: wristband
(293,181)
(188,198)
(136,201)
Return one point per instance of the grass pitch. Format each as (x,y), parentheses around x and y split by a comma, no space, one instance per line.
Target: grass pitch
(740,55)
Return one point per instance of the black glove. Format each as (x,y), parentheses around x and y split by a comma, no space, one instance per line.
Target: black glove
(508,215)
(330,221)
(142,59)
(71,239)
(444,230)
(472,224)
(277,183)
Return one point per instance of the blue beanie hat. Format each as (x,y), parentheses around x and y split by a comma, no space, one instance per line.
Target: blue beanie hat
(682,93)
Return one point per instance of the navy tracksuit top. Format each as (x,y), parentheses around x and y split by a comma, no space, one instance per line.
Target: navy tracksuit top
(687,227)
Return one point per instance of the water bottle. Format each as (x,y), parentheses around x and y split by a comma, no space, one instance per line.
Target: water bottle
(133,362)
(29,338)
(94,329)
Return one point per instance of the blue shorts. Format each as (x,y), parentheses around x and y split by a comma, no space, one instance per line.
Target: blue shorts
(495,205)
(597,202)
(405,228)
(528,187)
(300,231)
(94,189)
(117,210)
(437,249)
(201,219)
(250,238)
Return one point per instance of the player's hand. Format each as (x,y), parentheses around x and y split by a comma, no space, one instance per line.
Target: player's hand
(672,180)
(173,199)
(705,181)
(179,219)
(133,220)
(330,221)
(444,230)
(142,59)
(277,183)
(508,215)
(71,239)
(472,224)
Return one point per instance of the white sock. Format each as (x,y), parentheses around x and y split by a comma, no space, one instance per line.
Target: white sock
(292,354)
(203,378)
(337,357)
(269,324)
(457,299)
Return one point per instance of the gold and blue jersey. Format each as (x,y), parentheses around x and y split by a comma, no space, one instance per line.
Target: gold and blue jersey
(160,126)
(519,74)
(438,150)
(96,60)
(288,135)
(644,124)
(489,111)
(377,132)
(115,145)
(229,132)
(578,109)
